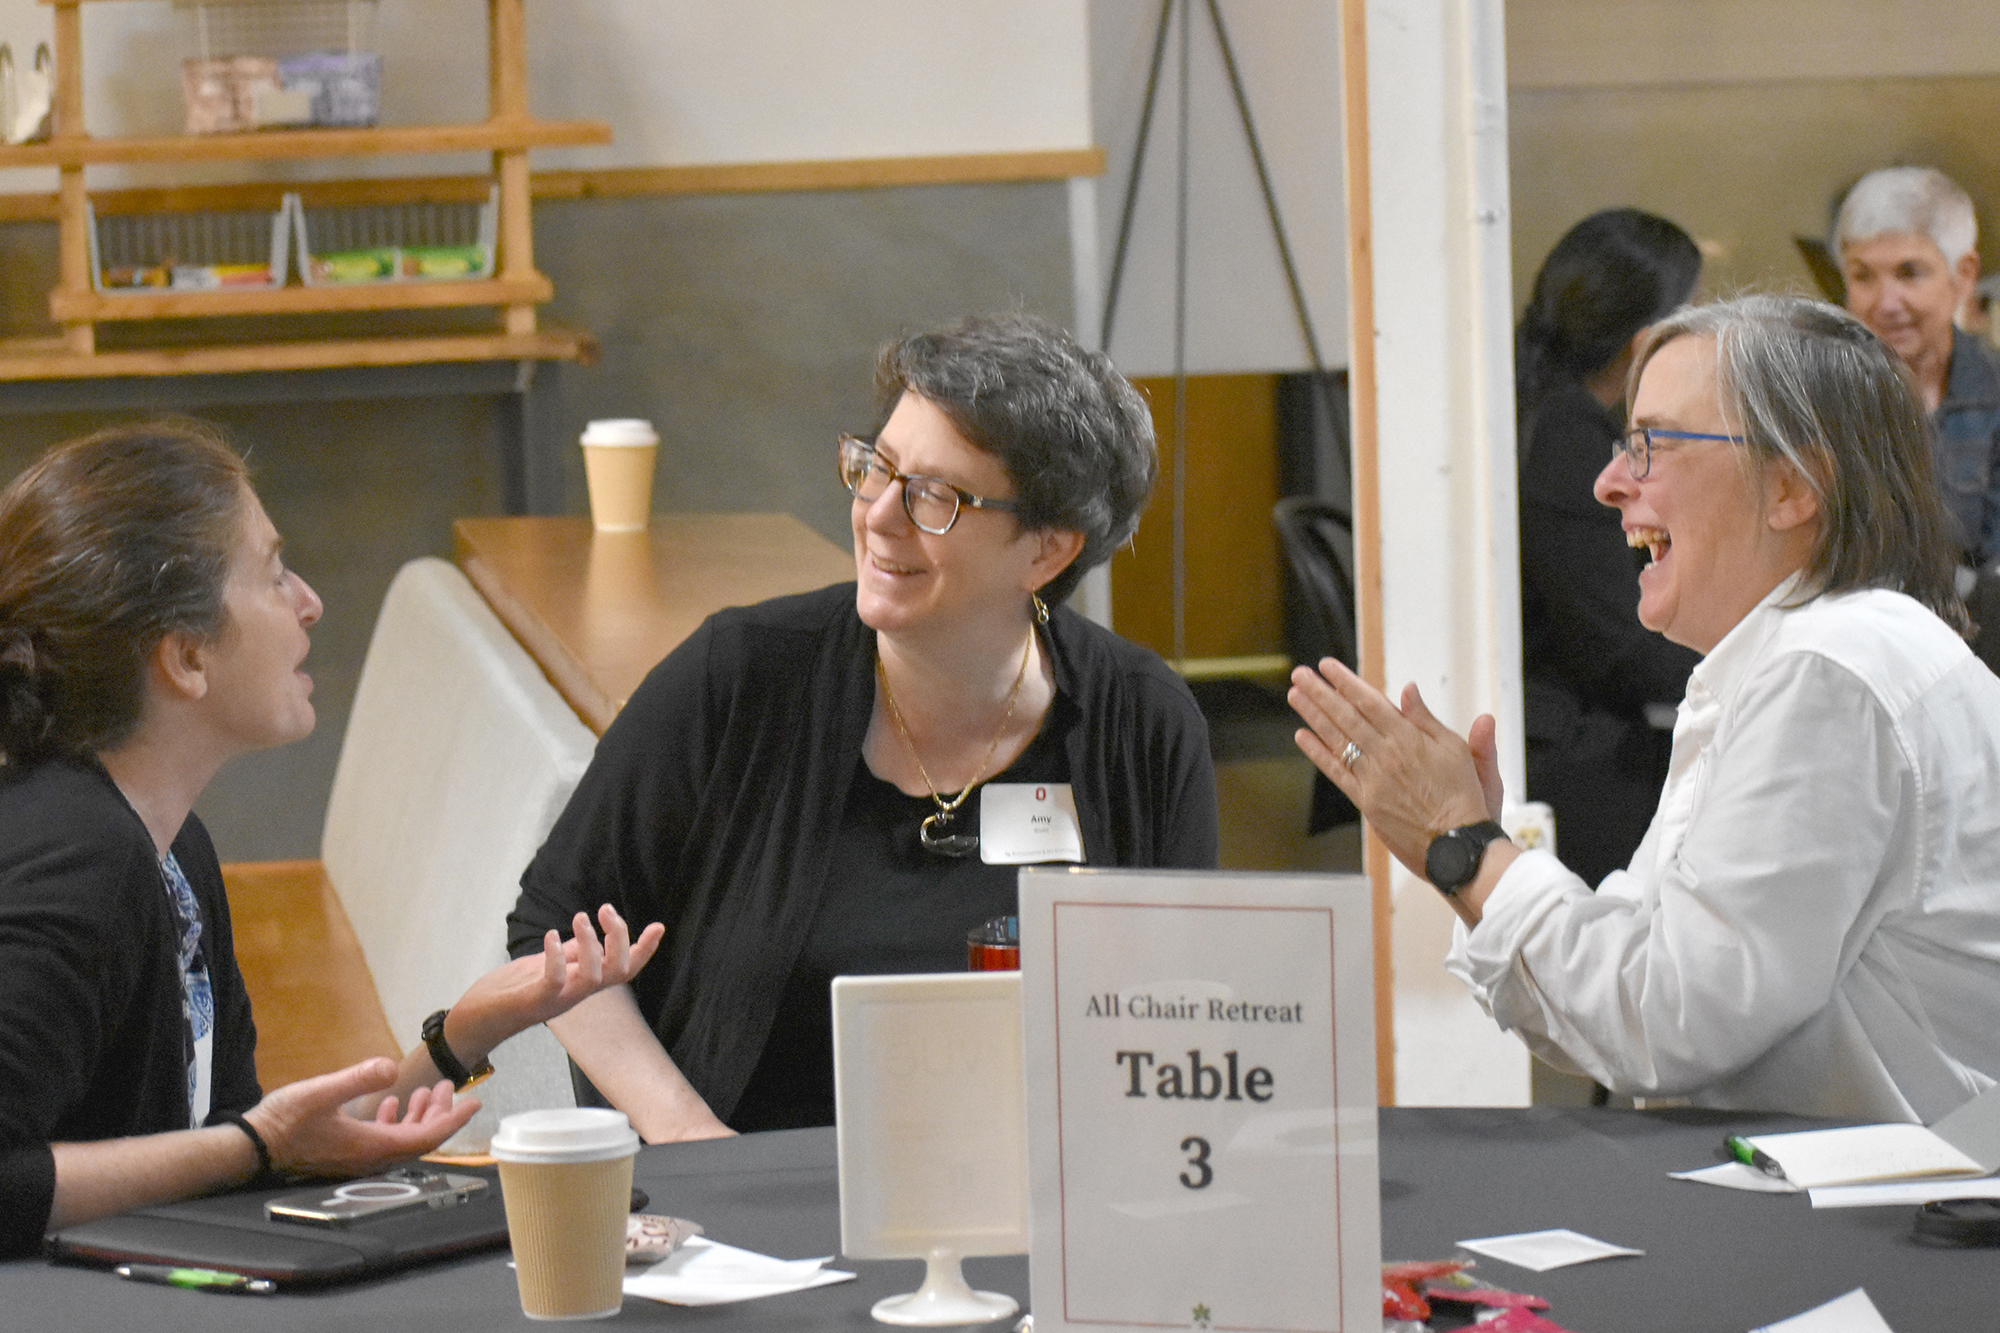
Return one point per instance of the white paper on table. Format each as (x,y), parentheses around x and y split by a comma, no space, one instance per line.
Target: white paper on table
(1852,1313)
(1543,1250)
(707,1272)
(1862,1153)
(1736,1176)
(1903,1192)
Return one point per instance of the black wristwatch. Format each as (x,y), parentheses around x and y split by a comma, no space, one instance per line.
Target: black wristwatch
(1452,862)
(447,1063)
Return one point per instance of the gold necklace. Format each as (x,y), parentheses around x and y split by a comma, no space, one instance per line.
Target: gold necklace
(935,832)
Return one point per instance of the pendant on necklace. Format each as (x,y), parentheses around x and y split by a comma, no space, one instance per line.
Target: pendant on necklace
(937,836)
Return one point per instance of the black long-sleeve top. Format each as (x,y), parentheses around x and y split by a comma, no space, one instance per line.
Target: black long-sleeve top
(714,802)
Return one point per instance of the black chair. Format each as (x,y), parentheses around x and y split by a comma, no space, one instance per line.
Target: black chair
(1319,544)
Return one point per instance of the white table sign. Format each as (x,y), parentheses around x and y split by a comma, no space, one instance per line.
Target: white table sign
(1201,1101)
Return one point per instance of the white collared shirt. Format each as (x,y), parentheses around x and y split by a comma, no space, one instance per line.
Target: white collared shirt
(1812,923)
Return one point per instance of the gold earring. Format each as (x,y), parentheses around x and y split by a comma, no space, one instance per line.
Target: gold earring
(1041,608)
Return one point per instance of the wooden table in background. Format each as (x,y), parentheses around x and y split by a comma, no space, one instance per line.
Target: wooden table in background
(597,610)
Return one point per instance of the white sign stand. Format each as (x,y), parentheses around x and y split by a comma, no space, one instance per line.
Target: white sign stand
(933,1148)
(1201,1101)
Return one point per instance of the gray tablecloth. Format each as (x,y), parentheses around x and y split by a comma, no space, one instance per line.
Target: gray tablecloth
(1715,1259)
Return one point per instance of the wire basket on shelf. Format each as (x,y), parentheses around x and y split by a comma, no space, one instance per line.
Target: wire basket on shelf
(423,241)
(261,64)
(196,251)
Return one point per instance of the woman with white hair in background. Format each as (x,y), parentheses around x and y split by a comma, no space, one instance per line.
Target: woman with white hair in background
(1906,240)
(1812,923)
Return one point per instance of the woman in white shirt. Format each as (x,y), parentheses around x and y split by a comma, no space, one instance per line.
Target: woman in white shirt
(1812,923)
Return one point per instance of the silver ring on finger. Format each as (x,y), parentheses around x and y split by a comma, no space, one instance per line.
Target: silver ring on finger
(1351,755)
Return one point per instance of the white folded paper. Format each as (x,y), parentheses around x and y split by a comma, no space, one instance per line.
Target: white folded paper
(1736,1176)
(1852,1313)
(707,1272)
(1543,1250)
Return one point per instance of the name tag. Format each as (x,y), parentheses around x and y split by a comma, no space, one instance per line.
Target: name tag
(1022,823)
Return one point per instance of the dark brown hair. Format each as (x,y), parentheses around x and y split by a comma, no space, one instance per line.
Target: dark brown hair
(108,544)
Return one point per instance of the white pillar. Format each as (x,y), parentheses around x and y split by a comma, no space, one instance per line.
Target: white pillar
(1093,595)
(1437,103)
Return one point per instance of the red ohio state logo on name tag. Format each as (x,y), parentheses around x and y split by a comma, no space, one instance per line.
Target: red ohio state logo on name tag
(1022,823)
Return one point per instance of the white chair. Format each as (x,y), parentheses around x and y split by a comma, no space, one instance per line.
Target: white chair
(458,757)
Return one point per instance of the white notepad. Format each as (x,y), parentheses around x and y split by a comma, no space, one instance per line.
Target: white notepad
(1964,1143)
(1862,1153)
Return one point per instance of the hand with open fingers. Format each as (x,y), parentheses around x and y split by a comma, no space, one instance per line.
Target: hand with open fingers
(1411,776)
(307,1131)
(537,987)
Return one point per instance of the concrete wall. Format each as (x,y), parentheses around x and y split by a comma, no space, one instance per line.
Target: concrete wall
(1741,119)
(680,81)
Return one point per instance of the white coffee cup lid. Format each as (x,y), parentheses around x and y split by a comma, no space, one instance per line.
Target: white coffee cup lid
(620,430)
(565,1134)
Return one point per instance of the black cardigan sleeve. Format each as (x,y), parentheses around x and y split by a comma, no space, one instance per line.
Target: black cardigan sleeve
(90,987)
(72,962)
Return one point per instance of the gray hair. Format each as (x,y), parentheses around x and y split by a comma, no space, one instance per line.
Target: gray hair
(1919,200)
(1075,438)
(1808,383)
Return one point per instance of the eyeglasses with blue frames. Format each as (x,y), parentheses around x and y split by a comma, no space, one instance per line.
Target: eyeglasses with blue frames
(932,503)
(1637,445)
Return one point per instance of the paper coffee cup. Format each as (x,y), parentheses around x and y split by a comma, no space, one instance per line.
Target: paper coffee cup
(566,1181)
(618,459)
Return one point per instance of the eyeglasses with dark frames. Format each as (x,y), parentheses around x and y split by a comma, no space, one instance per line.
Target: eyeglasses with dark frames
(1637,445)
(932,503)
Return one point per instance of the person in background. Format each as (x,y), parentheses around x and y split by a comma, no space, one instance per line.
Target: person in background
(150,631)
(1906,240)
(1812,923)
(1591,670)
(828,783)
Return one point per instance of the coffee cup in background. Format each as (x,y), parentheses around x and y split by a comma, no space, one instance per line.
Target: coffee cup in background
(618,459)
(566,1181)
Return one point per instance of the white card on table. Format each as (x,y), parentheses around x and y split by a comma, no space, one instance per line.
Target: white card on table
(1021,823)
(1201,1100)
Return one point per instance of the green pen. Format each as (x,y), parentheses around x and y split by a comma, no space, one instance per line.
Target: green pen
(196,1279)
(1750,1154)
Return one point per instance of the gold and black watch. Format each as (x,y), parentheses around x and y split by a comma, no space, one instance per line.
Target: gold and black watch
(447,1063)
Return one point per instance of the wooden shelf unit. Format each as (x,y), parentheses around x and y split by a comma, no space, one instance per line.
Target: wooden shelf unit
(516,287)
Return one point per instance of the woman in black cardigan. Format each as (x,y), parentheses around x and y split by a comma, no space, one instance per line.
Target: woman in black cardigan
(149,632)
(1590,669)
(841,782)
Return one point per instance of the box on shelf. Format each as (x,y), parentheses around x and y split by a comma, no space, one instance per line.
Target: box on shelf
(428,241)
(268,64)
(150,252)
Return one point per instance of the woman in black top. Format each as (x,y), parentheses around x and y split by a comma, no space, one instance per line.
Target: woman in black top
(1591,669)
(150,632)
(840,782)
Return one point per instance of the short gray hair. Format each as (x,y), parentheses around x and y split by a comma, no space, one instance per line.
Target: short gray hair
(1919,200)
(1807,382)
(1074,436)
